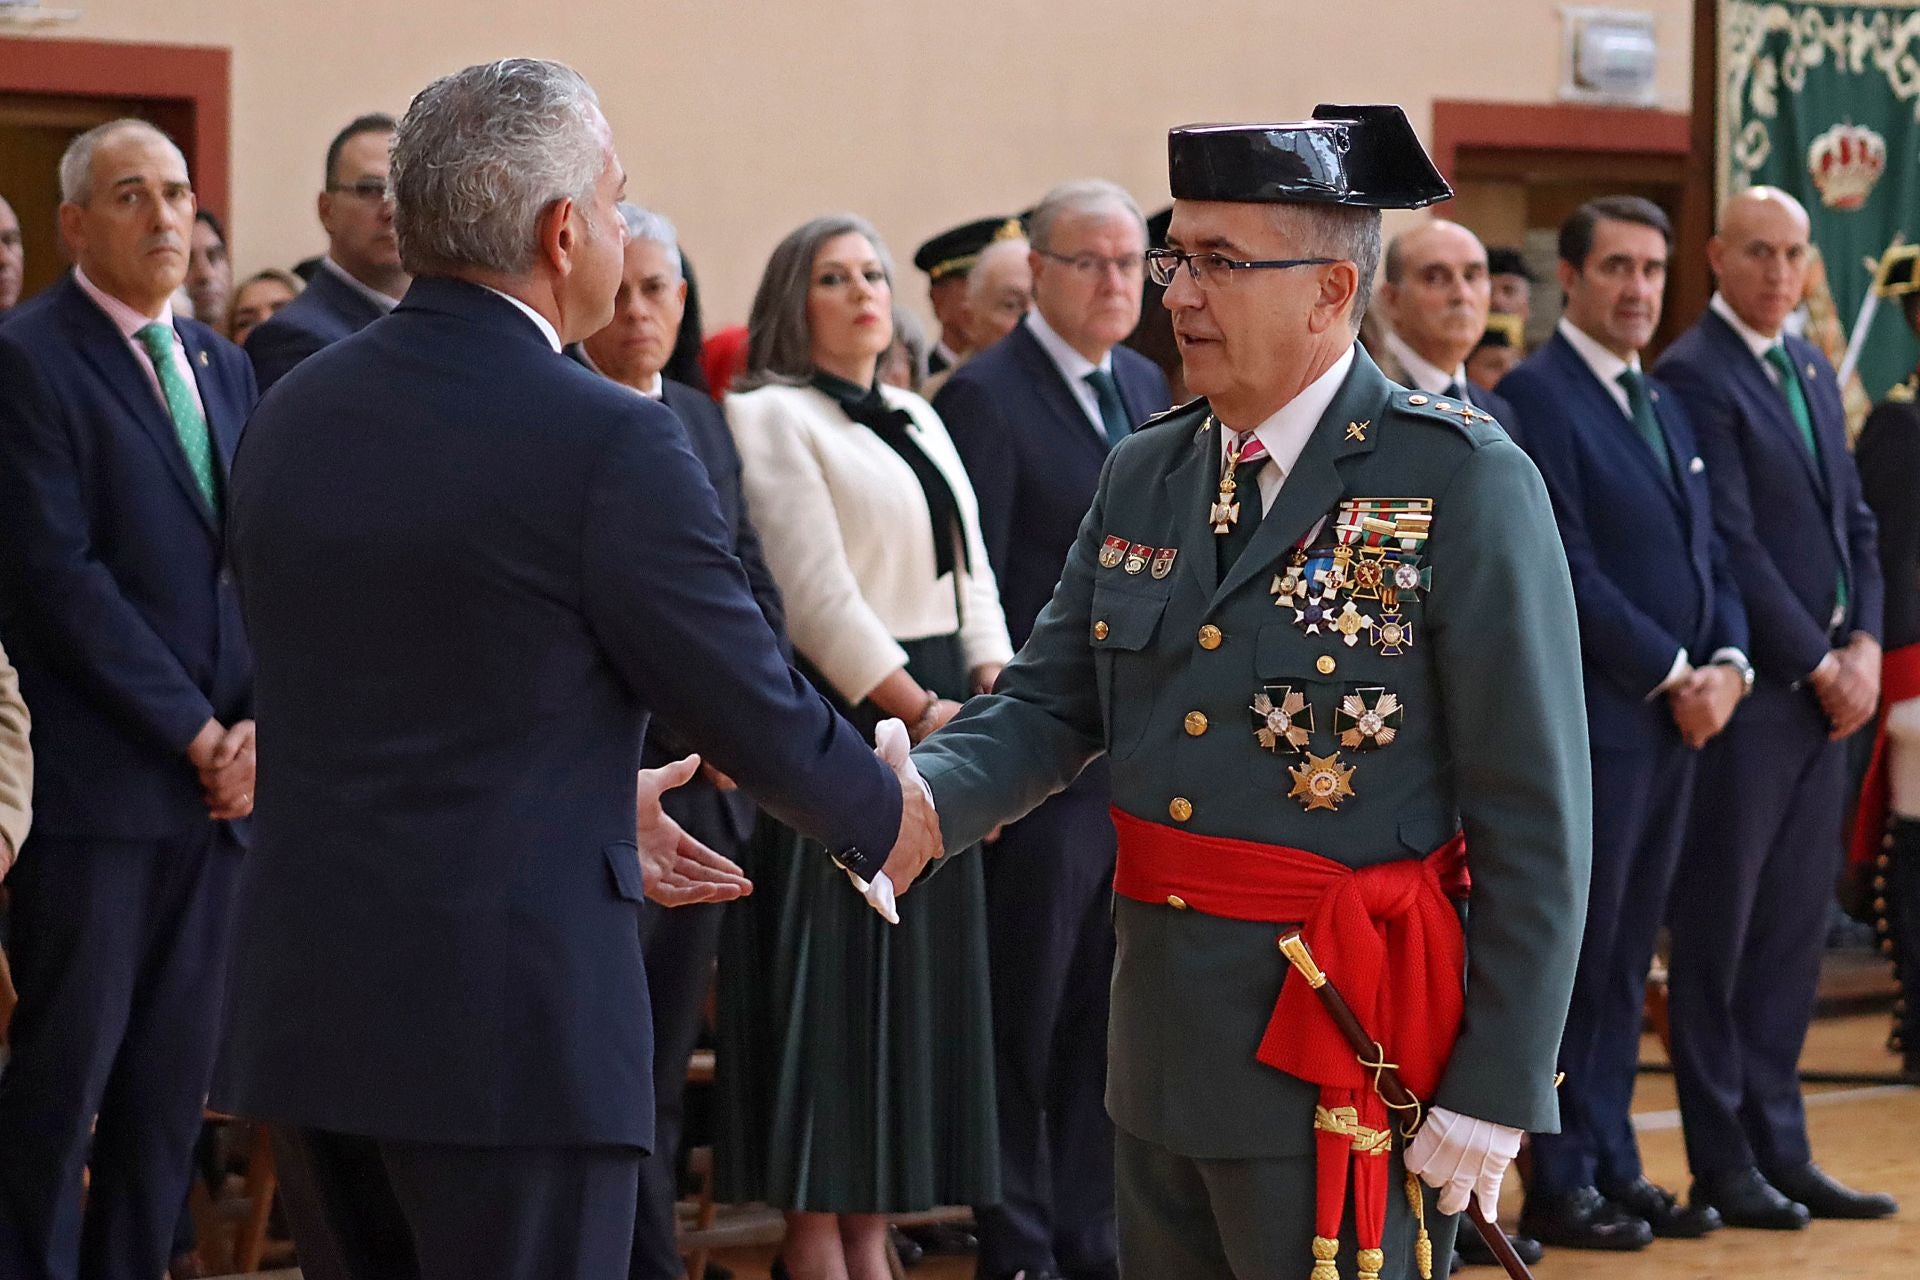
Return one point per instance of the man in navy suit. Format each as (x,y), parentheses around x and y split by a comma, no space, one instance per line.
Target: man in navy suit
(1663,641)
(117,424)
(1434,295)
(360,279)
(681,944)
(1751,896)
(471,569)
(1034,417)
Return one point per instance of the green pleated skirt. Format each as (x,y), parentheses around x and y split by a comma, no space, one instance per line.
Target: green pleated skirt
(854,1057)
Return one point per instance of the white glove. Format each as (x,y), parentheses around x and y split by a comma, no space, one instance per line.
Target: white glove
(1459,1156)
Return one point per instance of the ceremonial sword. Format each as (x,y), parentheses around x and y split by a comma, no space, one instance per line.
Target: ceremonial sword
(1388,1083)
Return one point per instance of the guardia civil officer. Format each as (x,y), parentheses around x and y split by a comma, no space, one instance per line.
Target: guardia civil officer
(1323,627)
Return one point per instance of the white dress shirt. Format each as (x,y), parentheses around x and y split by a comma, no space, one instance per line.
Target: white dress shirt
(1286,433)
(383,301)
(1427,376)
(129,322)
(547,330)
(1073,366)
(1606,366)
(1757,342)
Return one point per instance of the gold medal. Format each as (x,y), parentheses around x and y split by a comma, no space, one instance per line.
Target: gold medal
(1321,782)
(1281,715)
(1368,719)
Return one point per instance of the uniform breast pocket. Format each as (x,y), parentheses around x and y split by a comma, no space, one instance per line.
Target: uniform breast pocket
(1121,634)
(1289,705)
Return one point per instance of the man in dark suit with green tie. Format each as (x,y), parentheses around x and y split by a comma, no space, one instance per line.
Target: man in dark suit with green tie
(1322,627)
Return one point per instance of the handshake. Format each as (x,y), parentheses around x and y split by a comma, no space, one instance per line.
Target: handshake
(680,871)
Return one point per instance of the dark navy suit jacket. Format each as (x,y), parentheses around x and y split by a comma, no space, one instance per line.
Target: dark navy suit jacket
(471,569)
(1034,458)
(712,442)
(1792,527)
(115,604)
(1650,574)
(328,310)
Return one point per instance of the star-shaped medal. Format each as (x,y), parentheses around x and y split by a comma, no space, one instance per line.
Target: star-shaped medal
(1321,782)
(1314,612)
(1281,715)
(1368,718)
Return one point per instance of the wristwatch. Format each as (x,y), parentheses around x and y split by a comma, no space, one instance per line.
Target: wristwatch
(1738,661)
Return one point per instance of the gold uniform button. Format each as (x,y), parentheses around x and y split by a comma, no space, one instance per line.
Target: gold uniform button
(1416,400)
(1196,723)
(1181,808)
(1177,902)
(1101,630)
(1210,637)
(1326,664)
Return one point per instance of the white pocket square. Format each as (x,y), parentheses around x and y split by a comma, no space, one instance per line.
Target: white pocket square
(1696,466)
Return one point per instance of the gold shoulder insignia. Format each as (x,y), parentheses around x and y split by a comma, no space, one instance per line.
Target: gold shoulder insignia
(1464,416)
(1903,393)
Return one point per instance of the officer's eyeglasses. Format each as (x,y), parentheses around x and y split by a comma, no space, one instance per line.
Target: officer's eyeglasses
(367,190)
(1092,266)
(1212,270)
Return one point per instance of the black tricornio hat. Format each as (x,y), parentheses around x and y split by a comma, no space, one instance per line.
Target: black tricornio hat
(1507,262)
(953,252)
(1364,156)
(1899,271)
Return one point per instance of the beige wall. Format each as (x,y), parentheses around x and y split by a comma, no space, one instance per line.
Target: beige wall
(740,121)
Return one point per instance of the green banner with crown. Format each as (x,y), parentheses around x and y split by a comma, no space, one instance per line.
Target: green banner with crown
(1823,100)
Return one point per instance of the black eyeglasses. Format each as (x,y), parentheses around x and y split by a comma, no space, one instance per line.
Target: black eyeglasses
(367,190)
(1211,270)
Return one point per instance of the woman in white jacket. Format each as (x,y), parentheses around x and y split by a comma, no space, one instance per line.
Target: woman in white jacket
(856,1058)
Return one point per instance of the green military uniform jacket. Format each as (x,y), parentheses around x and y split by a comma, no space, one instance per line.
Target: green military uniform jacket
(1159,664)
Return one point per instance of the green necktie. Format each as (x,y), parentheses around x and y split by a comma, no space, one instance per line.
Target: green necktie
(1796,397)
(1644,422)
(1113,410)
(1802,418)
(189,423)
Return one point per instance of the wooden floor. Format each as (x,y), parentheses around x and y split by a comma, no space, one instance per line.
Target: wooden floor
(1867,1136)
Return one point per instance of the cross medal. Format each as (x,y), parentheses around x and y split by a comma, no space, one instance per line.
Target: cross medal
(1225,513)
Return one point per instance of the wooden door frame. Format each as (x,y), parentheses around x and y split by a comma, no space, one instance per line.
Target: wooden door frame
(1621,131)
(190,88)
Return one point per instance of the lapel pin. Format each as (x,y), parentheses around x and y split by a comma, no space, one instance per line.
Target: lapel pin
(1358,430)
(203,360)
(1809,369)
(1696,466)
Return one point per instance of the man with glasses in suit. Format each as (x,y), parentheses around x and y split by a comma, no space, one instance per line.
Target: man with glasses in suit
(360,279)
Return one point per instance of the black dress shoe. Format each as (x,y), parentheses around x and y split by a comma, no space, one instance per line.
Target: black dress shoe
(1663,1211)
(1583,1219)
(1745,1199)
(1826,1198)
(1475,1252)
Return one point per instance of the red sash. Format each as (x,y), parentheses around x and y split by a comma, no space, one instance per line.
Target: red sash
(1899,680)
(1388,937)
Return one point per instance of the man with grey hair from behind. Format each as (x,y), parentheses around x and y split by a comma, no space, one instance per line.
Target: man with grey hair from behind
(470,587)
